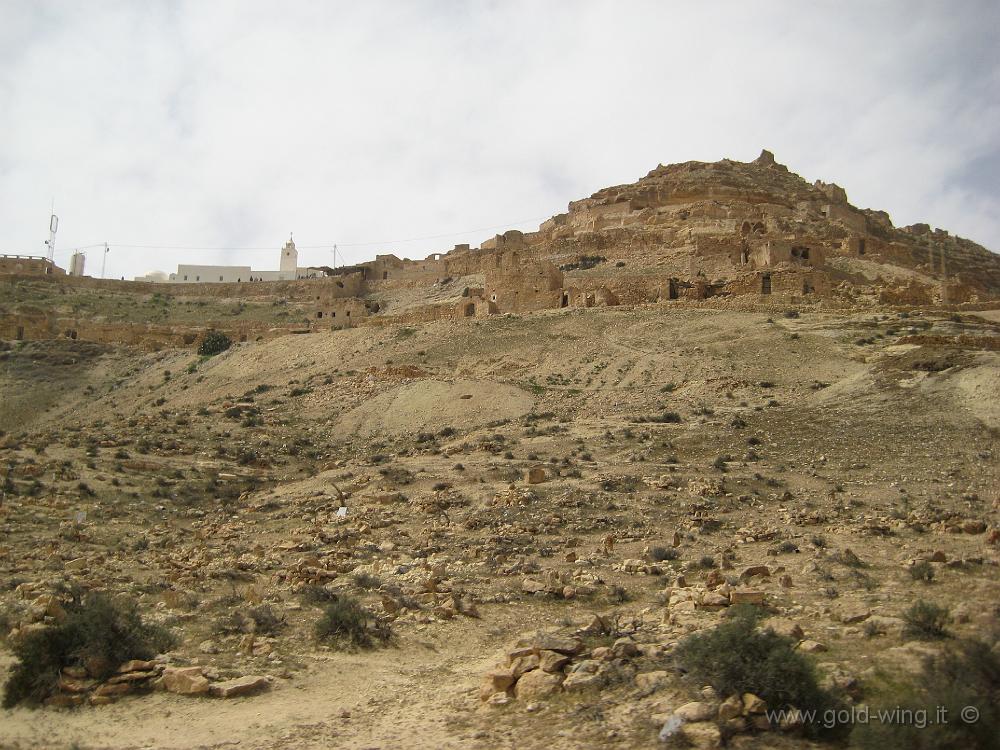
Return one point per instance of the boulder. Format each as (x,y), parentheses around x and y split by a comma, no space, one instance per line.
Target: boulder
(579,681)
(537,684)
(523,664)
(753,704)
(730,708)
(812,647)
(552,661)
(785,627)
(568,646)
(185,681)
(702,734)
(536,475)
(650,681)
(696,711)
(137,665)
(239,687)
(746,596)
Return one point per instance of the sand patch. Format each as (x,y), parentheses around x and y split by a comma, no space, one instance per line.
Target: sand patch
(429,405)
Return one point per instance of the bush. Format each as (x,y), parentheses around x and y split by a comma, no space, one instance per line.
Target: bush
(925,621)
(344,621)
(660,554)
(967,675)
(99,634)
(366,581)
(667,417)
(318,595)
(215,342)
(922,571)
(736,657)
(265,620)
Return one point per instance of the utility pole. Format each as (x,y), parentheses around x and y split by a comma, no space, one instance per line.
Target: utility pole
(104,261)
(53,226)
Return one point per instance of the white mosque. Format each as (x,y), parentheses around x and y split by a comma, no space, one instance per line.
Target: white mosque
(288,270)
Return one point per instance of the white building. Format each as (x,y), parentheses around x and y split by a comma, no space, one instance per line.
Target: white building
(288,270)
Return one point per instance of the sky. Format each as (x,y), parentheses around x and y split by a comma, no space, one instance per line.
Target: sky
(176,131)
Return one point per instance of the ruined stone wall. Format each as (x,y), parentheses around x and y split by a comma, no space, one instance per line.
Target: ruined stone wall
(28,265)
(517,284)
(302,290)
(785,282)
(336,313)
(143,335)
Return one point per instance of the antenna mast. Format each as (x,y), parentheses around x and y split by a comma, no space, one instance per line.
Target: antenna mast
(53,226)
(104,261)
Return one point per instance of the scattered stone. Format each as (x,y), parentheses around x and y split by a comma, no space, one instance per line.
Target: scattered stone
(537,684)
(185,680)
(649,682)
(730,708)
(702,734)
(746,596)
(752,704)
(552,661)
(812,647)
(239,687)
(695,711)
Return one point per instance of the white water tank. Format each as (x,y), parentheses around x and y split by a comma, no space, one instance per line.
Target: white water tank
(76,264)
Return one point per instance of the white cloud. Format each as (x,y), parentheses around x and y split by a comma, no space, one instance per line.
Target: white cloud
(231,123)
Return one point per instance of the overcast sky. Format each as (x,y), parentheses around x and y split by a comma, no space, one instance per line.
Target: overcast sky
(229,124)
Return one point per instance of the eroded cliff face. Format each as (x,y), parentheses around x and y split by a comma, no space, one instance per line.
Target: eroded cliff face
(699,230)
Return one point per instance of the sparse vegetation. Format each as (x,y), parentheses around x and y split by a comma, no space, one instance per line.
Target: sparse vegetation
(925,621)
(98,634)
(346,623)
(738,657)
(215,342)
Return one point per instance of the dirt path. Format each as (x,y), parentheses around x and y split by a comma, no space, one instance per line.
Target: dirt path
(419,696)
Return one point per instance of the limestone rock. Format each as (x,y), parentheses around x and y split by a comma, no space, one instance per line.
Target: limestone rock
(746,596)
(552,661)
(696,711)
(579,681)
(702,734)
(185,680)
(537,684)
(730,708)
(650,681)
(812,647)
(239,687)
(753,704)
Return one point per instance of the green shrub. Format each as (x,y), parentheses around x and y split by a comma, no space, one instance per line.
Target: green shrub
(736,657)
(265,620)
(366,581)
(922,571)
(925,621)
(315,594)
(215,342)
(660,554)
(935,710)
(346,622)
(100,634)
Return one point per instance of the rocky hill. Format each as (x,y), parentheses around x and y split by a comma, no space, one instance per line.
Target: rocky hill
(596,486)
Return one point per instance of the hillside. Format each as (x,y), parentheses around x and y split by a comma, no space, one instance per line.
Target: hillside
(506,478)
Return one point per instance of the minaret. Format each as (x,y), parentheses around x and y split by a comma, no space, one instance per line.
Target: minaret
(289,260)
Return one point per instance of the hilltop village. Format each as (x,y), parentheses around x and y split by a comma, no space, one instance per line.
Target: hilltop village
(725,233)
(702,454)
